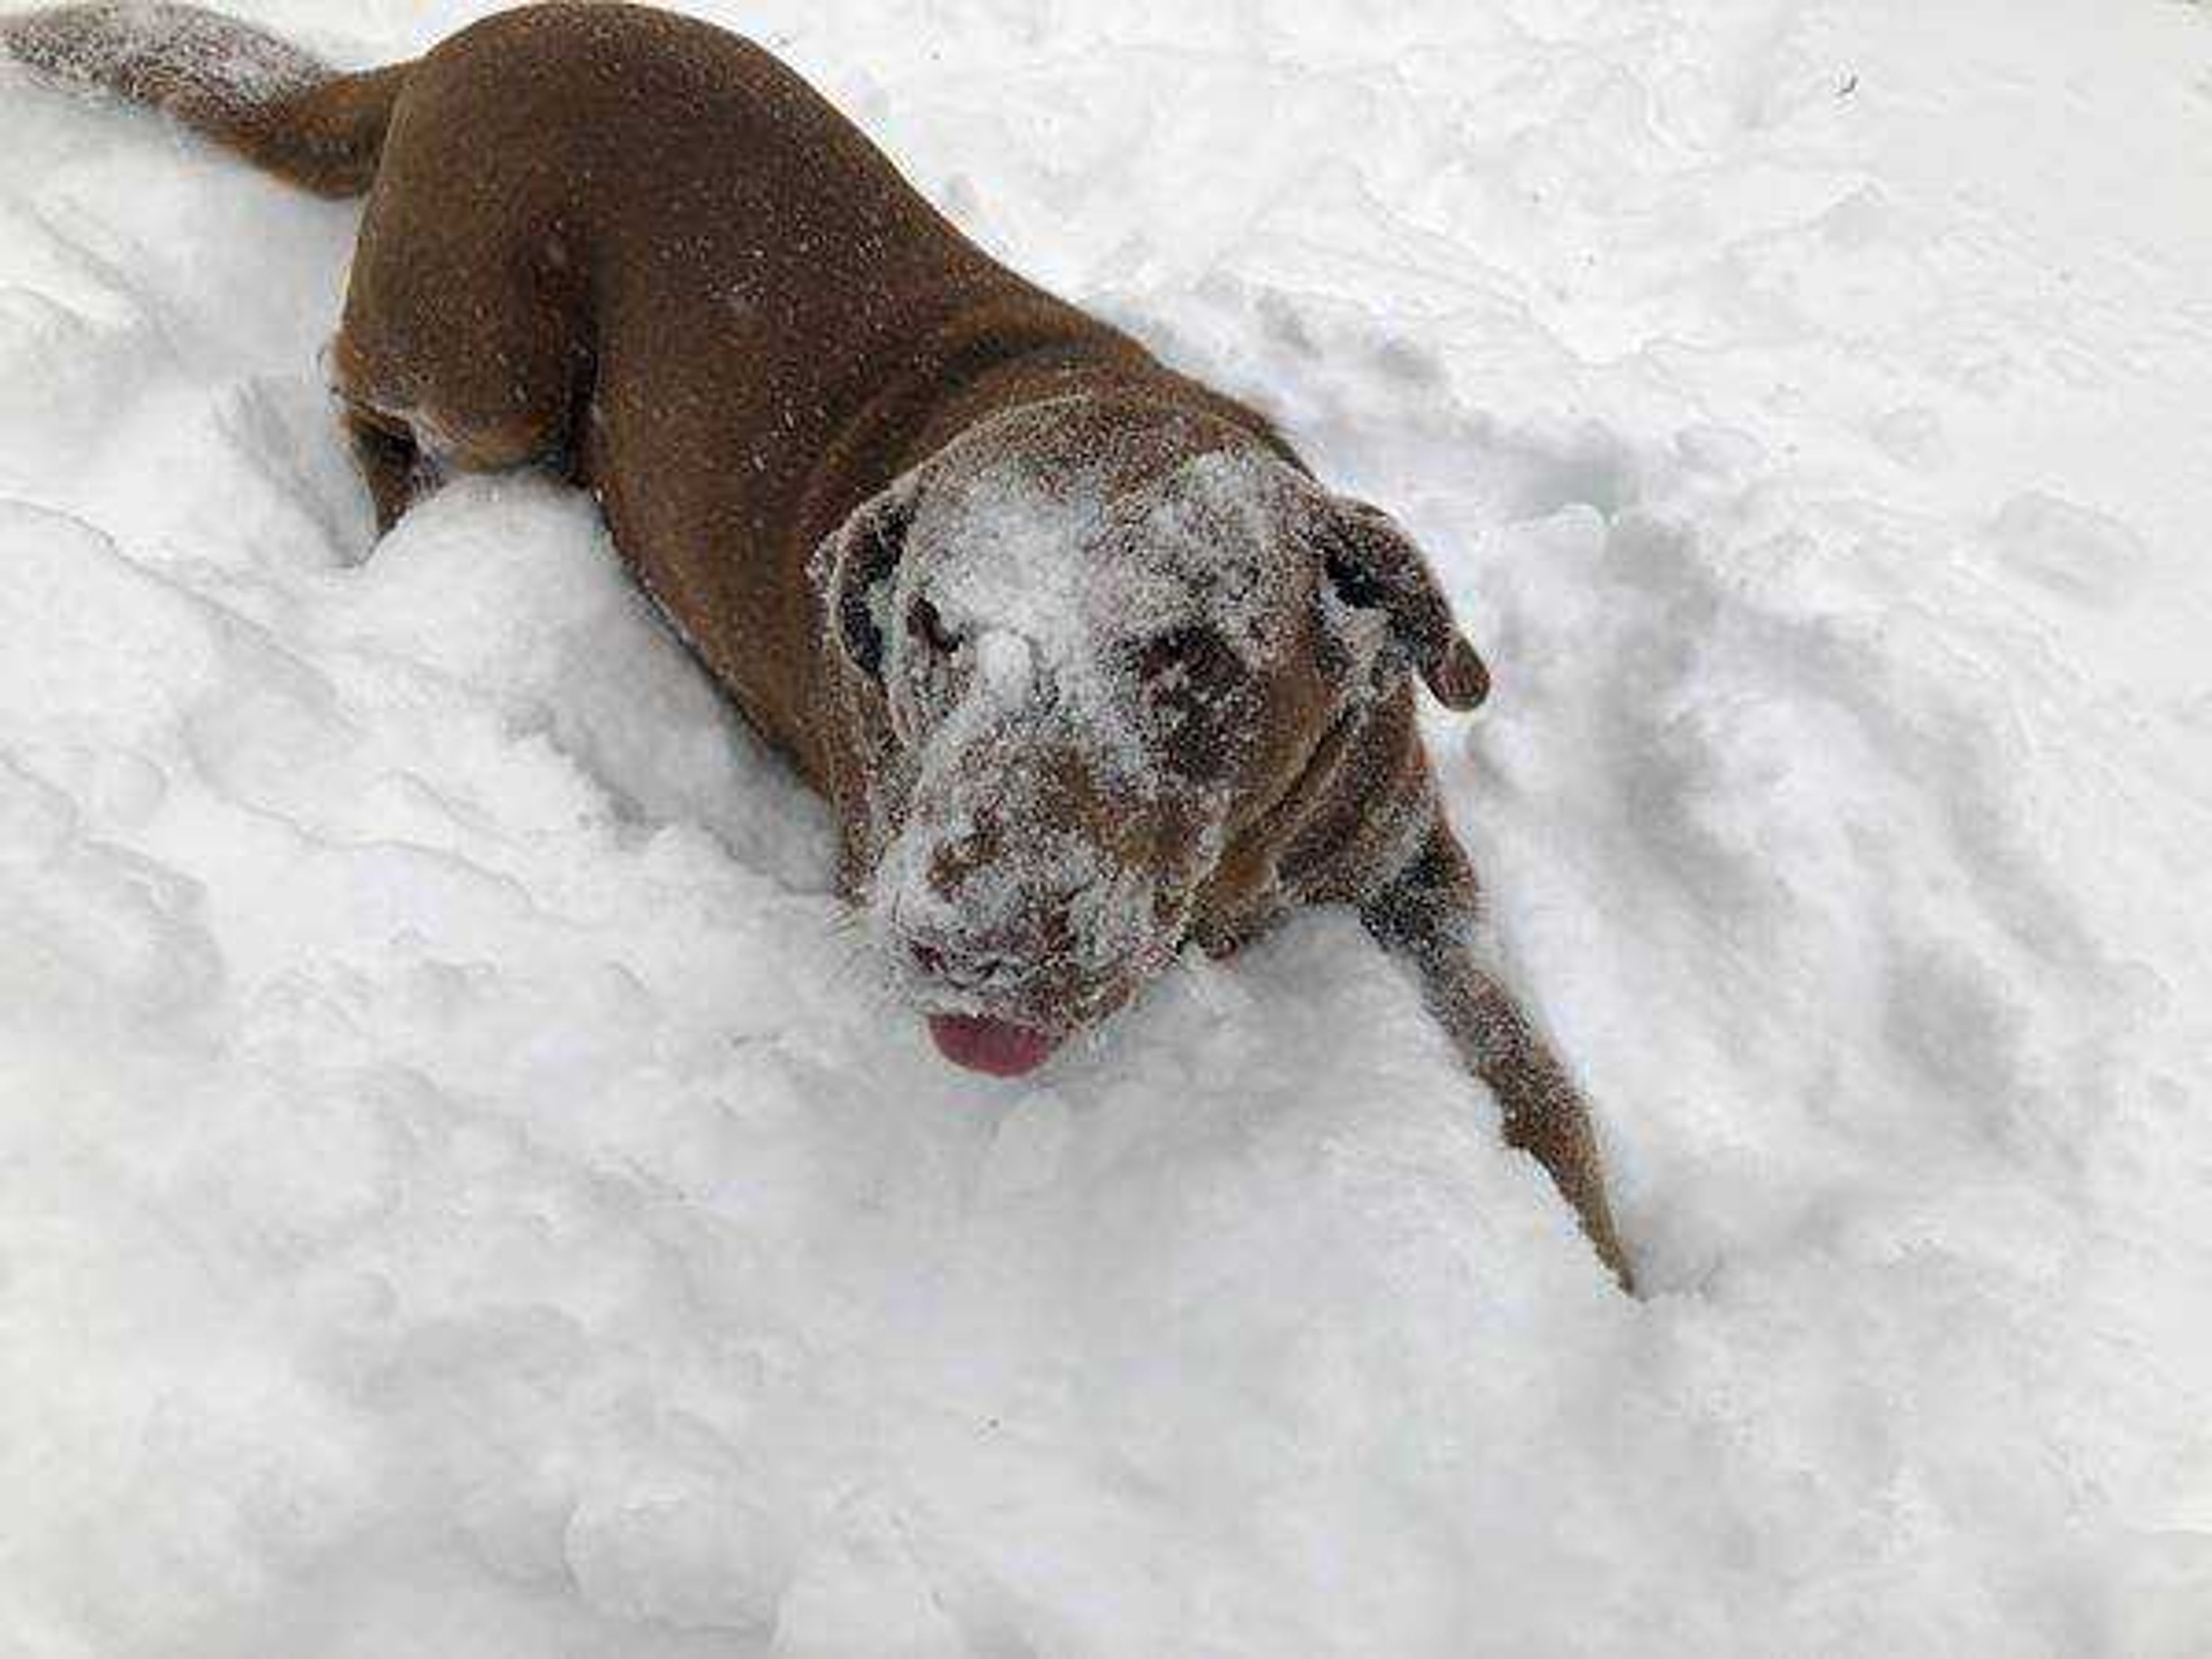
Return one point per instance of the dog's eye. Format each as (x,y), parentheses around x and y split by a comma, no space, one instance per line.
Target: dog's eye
(1195,657)
(1195,687)
(924,623)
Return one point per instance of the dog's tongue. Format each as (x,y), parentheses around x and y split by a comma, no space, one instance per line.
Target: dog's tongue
(990,1045)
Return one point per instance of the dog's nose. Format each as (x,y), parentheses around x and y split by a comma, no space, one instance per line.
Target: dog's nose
(968,966)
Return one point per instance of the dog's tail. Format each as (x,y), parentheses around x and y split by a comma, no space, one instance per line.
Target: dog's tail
(281,108)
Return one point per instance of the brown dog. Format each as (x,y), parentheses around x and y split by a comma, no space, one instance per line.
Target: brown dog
(1087,663)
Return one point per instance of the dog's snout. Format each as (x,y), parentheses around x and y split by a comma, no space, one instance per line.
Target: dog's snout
(962,856)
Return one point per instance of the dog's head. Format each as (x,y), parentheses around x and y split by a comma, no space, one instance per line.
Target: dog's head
(1091,647)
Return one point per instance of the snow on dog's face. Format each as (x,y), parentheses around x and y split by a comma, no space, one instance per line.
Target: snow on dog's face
(1093,645)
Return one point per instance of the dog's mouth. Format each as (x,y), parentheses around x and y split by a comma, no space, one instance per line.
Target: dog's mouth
(997,1048)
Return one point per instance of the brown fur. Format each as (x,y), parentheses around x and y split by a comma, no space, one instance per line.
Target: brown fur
(639,250)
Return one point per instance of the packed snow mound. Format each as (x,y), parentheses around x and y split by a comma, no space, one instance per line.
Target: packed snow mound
(463,1189)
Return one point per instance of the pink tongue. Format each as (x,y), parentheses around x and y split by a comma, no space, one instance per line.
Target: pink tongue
(990,1045)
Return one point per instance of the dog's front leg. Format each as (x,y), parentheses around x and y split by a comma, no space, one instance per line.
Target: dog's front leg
(1429,917)
(391,464)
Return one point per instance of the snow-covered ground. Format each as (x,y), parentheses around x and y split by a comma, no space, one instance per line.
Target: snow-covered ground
(463,1192)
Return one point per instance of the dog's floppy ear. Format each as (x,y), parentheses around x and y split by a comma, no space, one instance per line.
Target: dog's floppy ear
(850,567)
(1373,564)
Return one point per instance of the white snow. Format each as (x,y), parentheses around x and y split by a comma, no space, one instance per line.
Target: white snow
(463,1191)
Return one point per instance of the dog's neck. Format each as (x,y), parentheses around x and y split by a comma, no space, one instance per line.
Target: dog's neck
(984,361)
